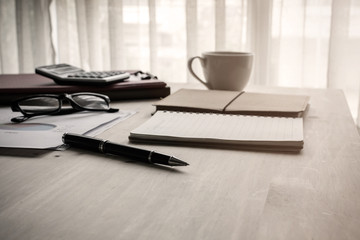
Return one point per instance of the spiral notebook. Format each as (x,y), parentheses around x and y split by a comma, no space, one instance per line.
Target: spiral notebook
(222,131)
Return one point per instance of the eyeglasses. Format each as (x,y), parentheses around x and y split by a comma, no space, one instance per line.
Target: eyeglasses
(52,104)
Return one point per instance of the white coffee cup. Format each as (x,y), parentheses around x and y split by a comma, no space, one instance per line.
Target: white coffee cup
(224,70)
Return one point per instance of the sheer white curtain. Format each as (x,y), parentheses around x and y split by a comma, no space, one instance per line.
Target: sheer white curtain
(297,43)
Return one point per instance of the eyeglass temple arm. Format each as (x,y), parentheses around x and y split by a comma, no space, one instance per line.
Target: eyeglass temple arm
(112,110)
(19,119)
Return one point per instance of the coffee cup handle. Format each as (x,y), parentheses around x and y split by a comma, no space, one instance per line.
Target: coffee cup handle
(190,61)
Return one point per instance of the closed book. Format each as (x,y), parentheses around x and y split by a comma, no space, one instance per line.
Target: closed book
(13,86)
(235,102)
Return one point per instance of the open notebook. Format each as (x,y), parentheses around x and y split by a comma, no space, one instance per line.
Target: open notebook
(222,131)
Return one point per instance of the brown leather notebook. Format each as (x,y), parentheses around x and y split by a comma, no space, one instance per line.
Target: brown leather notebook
(234,102)
(13,86)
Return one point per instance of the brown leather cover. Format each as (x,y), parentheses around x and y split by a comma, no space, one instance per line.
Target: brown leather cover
(13,86)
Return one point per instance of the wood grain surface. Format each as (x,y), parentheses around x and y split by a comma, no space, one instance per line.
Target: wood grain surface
(223,194)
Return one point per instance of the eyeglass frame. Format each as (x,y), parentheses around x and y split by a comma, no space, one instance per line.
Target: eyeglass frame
(15,107)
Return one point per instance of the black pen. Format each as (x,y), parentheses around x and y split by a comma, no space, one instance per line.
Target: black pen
(107,147)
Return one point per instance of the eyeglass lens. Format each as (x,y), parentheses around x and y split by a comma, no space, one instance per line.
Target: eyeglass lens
(91,102)
(39,105)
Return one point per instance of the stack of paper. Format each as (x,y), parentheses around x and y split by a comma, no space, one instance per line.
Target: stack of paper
(45,132)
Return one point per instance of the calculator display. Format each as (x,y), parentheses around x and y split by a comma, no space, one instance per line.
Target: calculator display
(64,70)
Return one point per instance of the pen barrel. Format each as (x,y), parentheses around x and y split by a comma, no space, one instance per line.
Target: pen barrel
(122,150)
(79,141)
(107,147)
(136,153)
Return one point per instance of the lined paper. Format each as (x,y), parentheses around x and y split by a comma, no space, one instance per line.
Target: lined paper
(212,127)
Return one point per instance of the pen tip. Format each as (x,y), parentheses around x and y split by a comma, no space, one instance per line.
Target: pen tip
(173,161)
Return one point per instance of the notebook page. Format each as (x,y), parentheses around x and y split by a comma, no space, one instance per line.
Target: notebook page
(220,127)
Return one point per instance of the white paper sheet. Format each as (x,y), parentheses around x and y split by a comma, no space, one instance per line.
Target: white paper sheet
(46,132)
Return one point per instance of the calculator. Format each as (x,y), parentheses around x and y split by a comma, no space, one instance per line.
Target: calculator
(66,74)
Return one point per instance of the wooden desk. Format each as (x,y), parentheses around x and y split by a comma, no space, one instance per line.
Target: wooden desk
(223,194)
